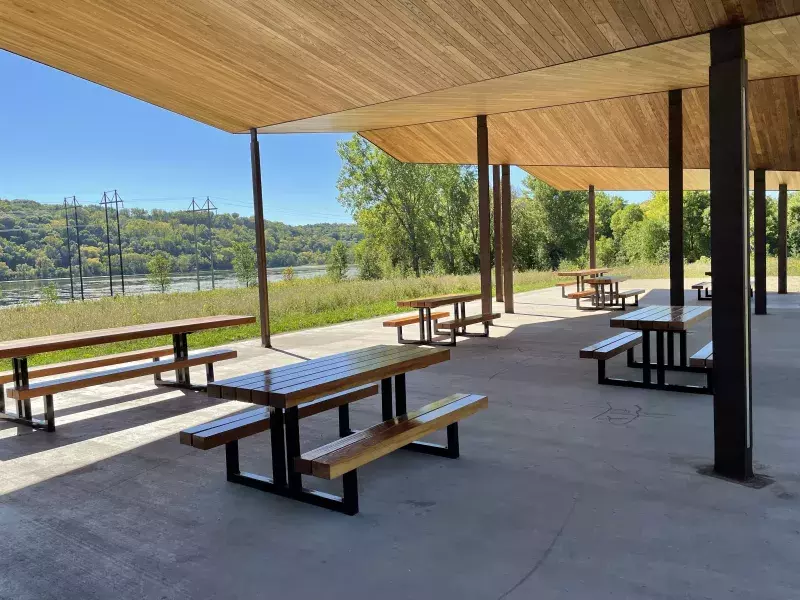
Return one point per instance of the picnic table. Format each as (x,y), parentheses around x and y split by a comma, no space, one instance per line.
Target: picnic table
(599,283)
(669,320)
(284,389)
(425,305)
(20,350)
(581,274)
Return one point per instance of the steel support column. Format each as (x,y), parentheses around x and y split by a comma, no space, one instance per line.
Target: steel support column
(592,232)
(483,214)
(760,240)
(261,243)
(508,255)
(676,197)
(730,260)
(498,234)
(782,233)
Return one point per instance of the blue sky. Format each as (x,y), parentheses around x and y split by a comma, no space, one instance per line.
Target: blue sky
(62,136)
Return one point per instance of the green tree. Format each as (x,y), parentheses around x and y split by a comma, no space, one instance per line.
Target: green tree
(337,262)
(368,259)
(244,263)
(159,272)
(288,274)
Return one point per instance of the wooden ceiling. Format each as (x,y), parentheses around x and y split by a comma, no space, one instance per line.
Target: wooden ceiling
(632,179)
(623,132)
(236,64)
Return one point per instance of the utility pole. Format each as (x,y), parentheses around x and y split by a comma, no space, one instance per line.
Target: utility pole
(69,252)
(104,203)
(209,206)
(78,240)
(195,208)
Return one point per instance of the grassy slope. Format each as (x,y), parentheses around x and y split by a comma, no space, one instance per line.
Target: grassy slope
(301,304)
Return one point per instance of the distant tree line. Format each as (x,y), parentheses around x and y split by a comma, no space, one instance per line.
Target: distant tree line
(33,242)
(423,219)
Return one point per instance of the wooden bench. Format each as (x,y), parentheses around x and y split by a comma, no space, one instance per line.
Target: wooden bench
(630,293)
(453,326)
(236,427)
(578,295)
(704,357)
(342,457)
(46,389)
(611,347)
(84,364)
(400,322)
(703,290)
(563,285)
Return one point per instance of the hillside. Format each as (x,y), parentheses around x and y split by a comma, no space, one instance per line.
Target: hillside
(33,239)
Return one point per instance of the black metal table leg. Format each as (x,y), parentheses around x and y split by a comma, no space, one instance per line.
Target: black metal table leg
(429,324)
(463,316)
(180,346)
(646,356)
(386,398)
(671,348)
(660,378)
(278,444)
(683,352)
(421,324)
(400,394)
(292,426)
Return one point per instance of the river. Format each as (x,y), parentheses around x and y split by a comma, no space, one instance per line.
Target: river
(30,290)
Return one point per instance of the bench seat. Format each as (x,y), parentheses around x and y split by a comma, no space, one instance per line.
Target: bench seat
(241,425)
(563,285)
(83,380)
(704,357)
(470,320)
(625,294)
(612,346)
(84,364)
(413,319)
(347,454)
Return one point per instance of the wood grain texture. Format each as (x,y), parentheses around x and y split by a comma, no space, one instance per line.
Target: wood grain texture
(629,179)
(619,133)
(612,346)
(435,301)
(80,339)
(410,319)
(662,318)
(236,64)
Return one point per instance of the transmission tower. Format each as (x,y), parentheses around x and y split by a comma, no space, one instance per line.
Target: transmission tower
(195,208)
(114,198)
(78,241)
(209,207)
(69,252)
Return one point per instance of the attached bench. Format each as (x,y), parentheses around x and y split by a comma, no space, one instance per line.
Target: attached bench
(579,295)
(630,293)
(563,285)
(611,347)
(704,359)
(46,389)
(459,326)
(400,322)
(230,429)
(342,457)
(703,290)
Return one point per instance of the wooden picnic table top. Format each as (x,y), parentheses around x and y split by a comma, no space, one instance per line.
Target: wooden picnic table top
(584,272)
(605,279)
(290,385)
(436,301)
(662,318)
(80,339)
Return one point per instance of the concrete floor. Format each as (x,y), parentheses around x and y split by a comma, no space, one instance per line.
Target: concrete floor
(565,489)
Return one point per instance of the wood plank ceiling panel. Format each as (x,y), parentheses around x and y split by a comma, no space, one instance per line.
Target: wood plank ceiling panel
(632,179)
(235,64)
(623,132)
(772,51)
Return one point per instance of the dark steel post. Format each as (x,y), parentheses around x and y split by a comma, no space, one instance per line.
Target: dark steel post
(592,232)
(292,424)
(400,394)
(782,236)
(676,198)
(108,246)
(78,241)
(508,255)
(483,214)
(117,202)
(209,207)
(69,253)
(498,234)
(278,446)
(261,243)
(728,131)
(760,240)
(386,398)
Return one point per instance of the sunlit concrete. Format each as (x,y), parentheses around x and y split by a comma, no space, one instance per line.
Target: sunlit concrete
(565,489)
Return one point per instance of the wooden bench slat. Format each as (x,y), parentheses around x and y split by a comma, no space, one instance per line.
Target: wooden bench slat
(629,293)
(703,357)
(700,285)
(89,379)
(235,427)
(565,283)
(342,456)
(410,319)
(470,320)
(612,346)
(89,363)
(581,294)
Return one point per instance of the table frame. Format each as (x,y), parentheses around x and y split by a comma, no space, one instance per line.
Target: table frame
(426,324)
